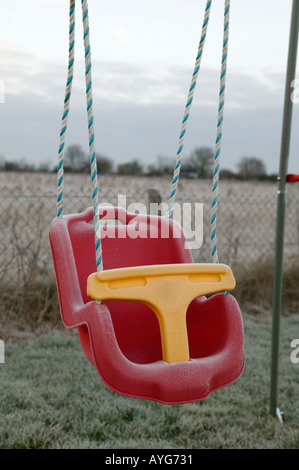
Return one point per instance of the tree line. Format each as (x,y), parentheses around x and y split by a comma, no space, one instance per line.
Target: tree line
(199,164)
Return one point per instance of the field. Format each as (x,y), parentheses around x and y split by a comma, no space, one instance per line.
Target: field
(121,184)
(246,210)
(51,397)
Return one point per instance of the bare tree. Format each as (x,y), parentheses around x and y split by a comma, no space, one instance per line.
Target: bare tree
(130,168)
(251,168)
(75,159)
(104,165)
(201,160)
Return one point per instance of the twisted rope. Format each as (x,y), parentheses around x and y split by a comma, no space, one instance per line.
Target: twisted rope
(68,90)
(92,153)
(177,167)
(90,119)
(215,182)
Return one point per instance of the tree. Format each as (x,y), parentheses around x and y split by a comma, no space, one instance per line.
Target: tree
(201,160)
(2,162)
(43,167)
(227,174)
(75,159)
(104,165)
(153,170)
(130,168)
(20,165)
(251,168)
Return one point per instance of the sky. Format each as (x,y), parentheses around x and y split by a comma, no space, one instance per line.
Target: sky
(143,54)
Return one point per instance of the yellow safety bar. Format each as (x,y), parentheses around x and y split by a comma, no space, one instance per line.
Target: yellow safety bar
(167,290)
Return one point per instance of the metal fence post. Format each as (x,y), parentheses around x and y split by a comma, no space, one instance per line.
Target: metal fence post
(281,207)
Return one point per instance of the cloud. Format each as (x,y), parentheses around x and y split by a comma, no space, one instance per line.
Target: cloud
(27,74)
(138,110)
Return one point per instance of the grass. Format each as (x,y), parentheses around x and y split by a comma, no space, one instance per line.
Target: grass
(51,398)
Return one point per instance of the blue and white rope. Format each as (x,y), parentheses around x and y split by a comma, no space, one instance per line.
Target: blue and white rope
(215,183)
(68,90)
(90,118)
(177,167)
(92,153)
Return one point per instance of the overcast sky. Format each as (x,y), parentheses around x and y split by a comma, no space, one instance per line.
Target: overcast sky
(143,56)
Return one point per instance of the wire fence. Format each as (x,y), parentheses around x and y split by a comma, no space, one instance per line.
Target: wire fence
(246,227)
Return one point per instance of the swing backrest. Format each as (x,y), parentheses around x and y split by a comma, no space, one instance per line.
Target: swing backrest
(133,241)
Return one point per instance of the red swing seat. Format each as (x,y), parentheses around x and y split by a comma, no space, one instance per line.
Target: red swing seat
(121,338)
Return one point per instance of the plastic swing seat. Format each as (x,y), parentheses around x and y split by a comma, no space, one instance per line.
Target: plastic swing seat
(155,335)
